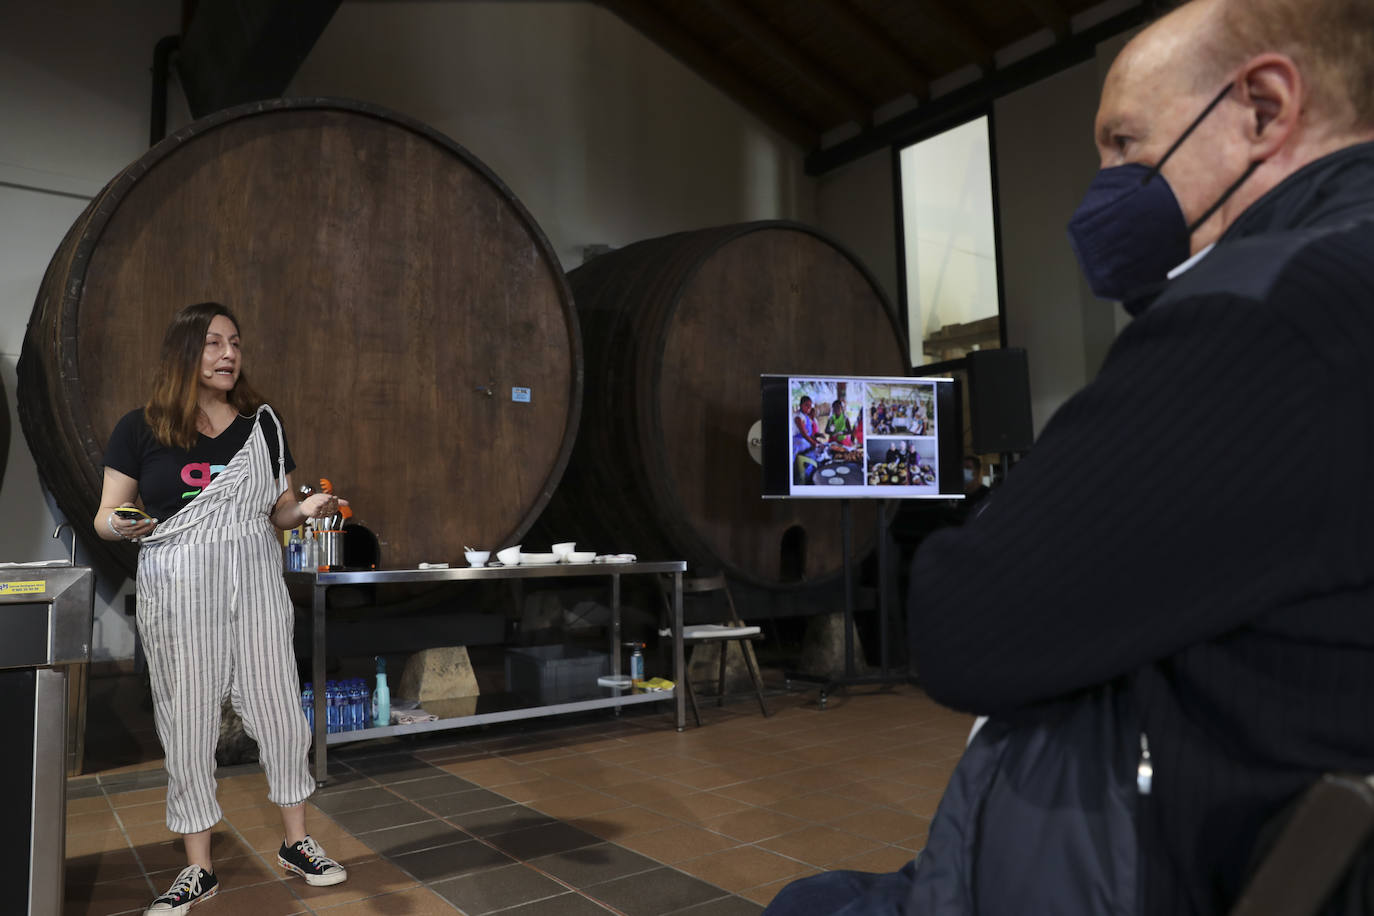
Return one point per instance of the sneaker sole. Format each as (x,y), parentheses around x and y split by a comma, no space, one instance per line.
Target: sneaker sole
(314,880)
(185,907)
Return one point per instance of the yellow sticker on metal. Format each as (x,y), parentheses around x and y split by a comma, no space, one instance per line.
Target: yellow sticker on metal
(31,587)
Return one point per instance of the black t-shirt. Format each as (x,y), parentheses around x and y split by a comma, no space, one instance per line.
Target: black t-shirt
(169,477)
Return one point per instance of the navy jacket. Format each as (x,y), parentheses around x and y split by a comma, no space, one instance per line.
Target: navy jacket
(1199,523)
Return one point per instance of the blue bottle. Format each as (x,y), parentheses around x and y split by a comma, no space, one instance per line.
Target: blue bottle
(356,716)
(295,552)
(331,705)
(308,704)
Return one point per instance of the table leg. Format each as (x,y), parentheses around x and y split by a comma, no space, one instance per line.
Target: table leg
(679,669)
(615,632)
(318,673)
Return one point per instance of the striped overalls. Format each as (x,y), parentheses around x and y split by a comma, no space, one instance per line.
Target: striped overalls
(215,619)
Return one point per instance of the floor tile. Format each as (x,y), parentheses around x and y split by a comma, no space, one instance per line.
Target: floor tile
(354,800)
(764,893)
(365,879)
(884,824)
(98,867)
(463,802)
(570,904)
(440,784)
(880,860)
(138,797)
(506,819)
(820,808)
(743,867)
(578,804)
(451,861)
(394,841)
(110,897)
(497,888)
(725,906)
(418,901)
(380,818)
(273,899)
(543,840)
(622,822)
(676,844)
(654,893)
(819,846)
(94,821)
(588,865)
(753,824)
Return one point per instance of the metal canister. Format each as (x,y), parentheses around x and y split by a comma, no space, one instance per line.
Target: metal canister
(331,548)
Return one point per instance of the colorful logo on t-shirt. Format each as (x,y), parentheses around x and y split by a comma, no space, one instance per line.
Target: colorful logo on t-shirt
(198,474)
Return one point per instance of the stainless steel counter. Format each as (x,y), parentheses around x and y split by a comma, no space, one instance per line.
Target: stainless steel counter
(320,582)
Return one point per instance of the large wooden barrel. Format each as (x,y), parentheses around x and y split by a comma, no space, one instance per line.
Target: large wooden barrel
(676,332)
(392,294)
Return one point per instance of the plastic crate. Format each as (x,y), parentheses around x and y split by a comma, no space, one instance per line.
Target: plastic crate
(555,674)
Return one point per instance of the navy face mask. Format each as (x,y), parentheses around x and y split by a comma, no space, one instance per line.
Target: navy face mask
(1129,231)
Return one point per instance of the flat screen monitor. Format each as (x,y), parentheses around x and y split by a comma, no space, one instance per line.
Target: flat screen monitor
(854,437)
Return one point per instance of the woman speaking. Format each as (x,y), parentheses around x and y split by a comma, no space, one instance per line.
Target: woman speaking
(207,459)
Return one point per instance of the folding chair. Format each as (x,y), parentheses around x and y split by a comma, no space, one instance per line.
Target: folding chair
(733,630)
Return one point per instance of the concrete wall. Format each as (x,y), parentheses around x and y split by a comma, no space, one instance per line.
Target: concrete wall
(74,105)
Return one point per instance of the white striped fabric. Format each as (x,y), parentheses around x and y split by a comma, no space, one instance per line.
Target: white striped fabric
(216,620)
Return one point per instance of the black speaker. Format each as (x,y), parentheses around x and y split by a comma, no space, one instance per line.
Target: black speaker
(999,400)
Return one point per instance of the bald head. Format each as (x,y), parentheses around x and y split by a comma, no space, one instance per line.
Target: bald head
(1293,81)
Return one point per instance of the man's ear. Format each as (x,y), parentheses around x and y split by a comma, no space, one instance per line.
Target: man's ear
(1273,88)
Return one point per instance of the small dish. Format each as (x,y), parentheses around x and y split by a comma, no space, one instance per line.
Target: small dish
(579,556)
(529,559)
(477,557)
(510,556)
(620,682)
(616,558)
(564,547)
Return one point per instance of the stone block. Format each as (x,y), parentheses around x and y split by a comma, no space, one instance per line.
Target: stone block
(442,673)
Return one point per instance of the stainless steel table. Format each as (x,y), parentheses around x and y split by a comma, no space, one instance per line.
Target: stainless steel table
(320,582)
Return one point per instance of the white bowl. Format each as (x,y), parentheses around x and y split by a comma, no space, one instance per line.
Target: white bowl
(477,557)
(564,548)
(510,556)
(579,556)
(527,559)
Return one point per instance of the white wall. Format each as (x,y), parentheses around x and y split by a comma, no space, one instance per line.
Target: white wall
(855,205)
(604,137)
(75,87)
(1045,159)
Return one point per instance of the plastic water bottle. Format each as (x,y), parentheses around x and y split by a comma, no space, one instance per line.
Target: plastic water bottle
(357,703)
(308,704)
(295,552)
(331,705)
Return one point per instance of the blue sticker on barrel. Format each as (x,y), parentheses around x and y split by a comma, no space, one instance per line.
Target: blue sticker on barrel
(520,395)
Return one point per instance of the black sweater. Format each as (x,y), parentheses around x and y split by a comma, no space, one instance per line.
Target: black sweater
(1198,522)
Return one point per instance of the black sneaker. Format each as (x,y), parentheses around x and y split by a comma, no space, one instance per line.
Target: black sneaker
(308,860)
(192,886)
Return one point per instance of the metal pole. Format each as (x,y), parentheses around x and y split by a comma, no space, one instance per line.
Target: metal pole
(847,558)
(318,673)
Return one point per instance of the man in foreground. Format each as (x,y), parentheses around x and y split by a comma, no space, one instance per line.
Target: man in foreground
(1234,614)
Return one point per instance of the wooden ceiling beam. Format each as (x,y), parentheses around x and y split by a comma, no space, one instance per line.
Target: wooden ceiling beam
(1051,15)
(960,32)
(887,52)
(752,28)
(673,38)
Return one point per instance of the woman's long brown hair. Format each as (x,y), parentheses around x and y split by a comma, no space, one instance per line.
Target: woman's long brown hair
(174,406)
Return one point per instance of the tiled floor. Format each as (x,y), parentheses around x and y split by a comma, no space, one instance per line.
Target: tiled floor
(551,817)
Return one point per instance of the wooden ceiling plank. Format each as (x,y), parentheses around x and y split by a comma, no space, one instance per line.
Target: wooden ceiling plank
(887,51)
(960,32)
(1050,14)
(752,28)
(673,38)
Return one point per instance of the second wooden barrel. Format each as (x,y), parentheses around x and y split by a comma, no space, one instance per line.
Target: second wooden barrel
(676,332)
(399,307)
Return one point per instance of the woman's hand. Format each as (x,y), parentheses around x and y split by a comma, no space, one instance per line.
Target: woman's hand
(321,505)
(126,529)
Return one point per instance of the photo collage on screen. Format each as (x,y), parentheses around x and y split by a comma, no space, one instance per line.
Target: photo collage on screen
(864,433)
